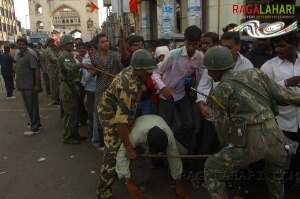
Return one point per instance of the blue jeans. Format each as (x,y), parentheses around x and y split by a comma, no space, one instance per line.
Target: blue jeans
(144,107)
(9,83)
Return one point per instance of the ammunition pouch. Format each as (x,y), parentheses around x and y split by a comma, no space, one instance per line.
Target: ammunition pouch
(237,134)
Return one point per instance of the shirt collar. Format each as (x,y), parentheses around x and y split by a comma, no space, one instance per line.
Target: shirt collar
(284,60)
(238,60)
(184,53)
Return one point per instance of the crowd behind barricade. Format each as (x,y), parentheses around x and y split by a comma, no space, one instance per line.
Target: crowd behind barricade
(132,97)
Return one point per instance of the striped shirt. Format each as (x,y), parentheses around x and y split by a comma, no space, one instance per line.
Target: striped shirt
(113,65)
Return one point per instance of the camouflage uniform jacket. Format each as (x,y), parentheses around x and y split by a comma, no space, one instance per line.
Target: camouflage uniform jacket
(51,60)
(119,101)
(42,60)
(69,69)
(248,98)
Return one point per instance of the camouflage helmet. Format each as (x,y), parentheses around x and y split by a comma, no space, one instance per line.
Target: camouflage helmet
(218,58)
(66,39)
(142,59)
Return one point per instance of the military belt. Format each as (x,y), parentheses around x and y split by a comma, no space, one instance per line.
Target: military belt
(265,122)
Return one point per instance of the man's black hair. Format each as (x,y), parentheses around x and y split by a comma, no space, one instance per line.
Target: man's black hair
(133,39)
(213,36)
(229,27)
(192,33)
(79,45)
(91,44)
(157,140)
(22,40)
(99,36)
(235,36)
(290,38)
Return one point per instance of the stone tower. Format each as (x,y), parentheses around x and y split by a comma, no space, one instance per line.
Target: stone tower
(64,16)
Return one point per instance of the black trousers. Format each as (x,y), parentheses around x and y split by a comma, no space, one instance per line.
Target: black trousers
(183,108)
(294,170)
(31,102)
(47,83)
(9,83)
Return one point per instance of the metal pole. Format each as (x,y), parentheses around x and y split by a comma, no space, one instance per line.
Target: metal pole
(219,10)
(121,11)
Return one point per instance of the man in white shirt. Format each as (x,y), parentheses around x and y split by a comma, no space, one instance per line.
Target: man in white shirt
(153,134)
(232,41)
(285,70)
(170,81)
(209,141)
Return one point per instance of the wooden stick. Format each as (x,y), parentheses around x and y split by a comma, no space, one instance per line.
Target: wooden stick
(102,71)
(173,156)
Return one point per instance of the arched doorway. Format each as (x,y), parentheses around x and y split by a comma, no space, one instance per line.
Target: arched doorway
(39,26)
(66,19)
(38,9)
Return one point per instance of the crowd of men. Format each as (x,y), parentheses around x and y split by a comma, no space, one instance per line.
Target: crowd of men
(245,108)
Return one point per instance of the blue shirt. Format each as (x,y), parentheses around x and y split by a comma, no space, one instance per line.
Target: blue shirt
(88,80)
(6,62)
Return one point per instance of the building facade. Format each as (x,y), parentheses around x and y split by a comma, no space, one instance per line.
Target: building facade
(64,16)
(159,17)
(8,23)
(174,16)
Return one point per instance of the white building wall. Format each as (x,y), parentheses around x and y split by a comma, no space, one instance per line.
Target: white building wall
(144,20)
(226,15)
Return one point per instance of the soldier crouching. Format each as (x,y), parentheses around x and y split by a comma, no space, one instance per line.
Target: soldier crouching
(246,104)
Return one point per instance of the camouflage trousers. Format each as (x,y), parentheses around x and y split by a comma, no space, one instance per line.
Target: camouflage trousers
(108,173)
(264,142)
(69,102)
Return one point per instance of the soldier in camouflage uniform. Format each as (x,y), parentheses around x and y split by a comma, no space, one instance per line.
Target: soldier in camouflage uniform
(53,71)
(41,53)
(117,114)
(69,90)
(245,105)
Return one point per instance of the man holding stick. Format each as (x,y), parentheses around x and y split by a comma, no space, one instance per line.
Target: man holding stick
(106,65)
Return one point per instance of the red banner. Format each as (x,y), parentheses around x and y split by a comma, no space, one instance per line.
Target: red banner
(133,4)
